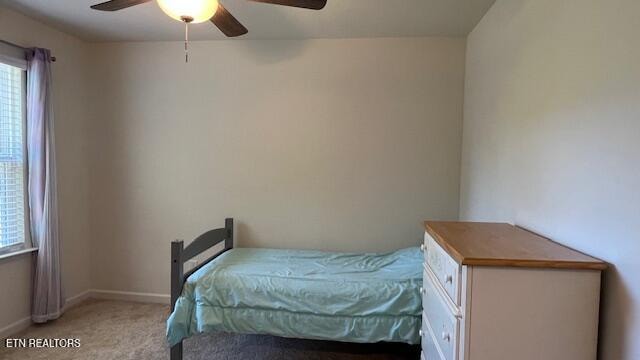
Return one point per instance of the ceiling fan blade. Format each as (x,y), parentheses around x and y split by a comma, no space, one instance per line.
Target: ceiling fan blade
(228,24)
(307,4)
(114,5)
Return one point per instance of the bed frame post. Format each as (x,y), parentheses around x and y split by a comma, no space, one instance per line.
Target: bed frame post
(177,247)
(177,278)
(176,352)
(228,242)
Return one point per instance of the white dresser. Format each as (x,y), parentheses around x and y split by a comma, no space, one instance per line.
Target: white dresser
(498,292)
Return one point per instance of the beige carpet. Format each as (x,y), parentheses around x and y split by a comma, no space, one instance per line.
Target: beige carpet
(126,330)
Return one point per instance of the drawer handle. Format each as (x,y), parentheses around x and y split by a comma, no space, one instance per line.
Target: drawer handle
(446,337)
(420,332)
(423,290)
(449,279)
(422,247)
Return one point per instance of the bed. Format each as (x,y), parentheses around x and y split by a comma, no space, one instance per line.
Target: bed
(363,298)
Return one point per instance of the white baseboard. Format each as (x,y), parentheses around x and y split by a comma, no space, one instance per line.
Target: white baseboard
(75,300)
(24,323)
(72,301)
(130,296)
(15,328)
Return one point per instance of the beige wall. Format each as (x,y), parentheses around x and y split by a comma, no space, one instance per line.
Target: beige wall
(551,137)
(324,144)
(70,92)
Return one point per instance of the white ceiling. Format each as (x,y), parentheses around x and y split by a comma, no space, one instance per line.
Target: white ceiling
(339,19)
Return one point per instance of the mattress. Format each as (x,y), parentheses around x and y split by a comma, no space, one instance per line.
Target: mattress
(304,294)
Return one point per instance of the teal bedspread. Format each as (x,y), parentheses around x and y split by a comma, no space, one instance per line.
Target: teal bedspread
(304,294)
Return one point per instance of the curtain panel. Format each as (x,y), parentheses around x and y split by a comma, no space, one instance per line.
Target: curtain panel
(47,299)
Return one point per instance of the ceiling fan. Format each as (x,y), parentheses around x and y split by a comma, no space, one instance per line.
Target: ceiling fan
(197,11)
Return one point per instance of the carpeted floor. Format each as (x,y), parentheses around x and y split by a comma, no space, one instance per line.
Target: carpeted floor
(126,330)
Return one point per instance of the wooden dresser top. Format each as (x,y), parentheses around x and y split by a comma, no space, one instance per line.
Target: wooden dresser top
(500,244)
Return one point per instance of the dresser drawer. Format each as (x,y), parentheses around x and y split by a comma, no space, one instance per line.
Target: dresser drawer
(429,348)
(446,270)
(440,319)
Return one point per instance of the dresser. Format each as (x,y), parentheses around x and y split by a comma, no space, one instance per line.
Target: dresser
(493,291)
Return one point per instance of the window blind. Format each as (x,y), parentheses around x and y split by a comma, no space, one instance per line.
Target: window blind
(12,207)
(12,55)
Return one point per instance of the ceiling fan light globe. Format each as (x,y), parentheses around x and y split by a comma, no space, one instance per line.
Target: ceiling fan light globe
(199,10)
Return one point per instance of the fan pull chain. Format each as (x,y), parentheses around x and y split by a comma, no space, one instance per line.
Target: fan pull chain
(186,41)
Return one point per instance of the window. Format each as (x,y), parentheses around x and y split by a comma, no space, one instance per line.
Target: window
(12,158)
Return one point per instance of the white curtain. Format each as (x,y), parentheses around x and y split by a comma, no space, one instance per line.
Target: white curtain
(43,200)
